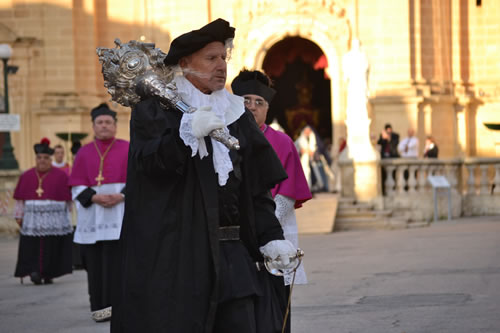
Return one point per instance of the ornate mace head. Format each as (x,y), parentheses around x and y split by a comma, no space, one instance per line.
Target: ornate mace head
(126,66)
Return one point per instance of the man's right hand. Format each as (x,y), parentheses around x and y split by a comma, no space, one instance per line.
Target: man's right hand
(204,122)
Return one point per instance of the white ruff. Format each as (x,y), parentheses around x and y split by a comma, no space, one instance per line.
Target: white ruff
(58,165)
(226,106)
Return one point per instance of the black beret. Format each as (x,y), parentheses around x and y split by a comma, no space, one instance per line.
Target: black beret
(102,109)
(254,83)
(43,147)
(188,43)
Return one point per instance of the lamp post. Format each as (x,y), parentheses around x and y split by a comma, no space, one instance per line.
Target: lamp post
(8,160)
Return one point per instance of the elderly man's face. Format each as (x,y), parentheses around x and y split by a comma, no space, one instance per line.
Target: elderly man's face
(206,69)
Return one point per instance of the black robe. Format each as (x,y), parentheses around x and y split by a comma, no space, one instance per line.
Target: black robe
(170,264)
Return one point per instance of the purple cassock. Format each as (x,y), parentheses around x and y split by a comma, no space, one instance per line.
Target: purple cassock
(54,186)
(86,165)
(45,240)
(295,186)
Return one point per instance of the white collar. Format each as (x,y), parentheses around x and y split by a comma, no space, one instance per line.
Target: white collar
(226,106)
(58,165)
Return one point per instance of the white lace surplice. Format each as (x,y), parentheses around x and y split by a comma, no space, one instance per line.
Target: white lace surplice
(285,212)
(226,106)
(44,217)
(97,223)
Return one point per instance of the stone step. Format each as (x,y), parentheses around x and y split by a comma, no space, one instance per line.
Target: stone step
(362,213)
(346,200)
(361,223)
(318,214)
(418,224)
(397,222)
(356,206)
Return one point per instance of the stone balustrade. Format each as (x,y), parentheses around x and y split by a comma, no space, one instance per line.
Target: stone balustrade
(406,191)
(402,176)
(483,175)
(482,186)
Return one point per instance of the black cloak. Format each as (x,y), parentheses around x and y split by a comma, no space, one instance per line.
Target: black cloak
(168,281)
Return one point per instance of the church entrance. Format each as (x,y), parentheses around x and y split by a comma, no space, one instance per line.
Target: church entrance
(298,68)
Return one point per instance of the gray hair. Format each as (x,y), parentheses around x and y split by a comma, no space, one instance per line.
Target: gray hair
(177,70)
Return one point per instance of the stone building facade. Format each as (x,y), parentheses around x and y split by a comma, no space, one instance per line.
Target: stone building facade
(434,64)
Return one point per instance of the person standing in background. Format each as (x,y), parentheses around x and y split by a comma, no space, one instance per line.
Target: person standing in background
(314,158)
(408,147)
(59,161)
(42,206)
(290,194)
(388,142)
(98,188)
(431,149)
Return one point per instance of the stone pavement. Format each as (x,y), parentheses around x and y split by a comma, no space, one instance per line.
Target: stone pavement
(440,279)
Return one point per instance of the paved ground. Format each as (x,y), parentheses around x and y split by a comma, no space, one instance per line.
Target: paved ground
(440,279)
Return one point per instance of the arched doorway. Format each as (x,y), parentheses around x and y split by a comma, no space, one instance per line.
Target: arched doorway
(298,68)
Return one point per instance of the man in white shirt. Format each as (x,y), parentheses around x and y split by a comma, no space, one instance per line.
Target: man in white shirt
(408,147)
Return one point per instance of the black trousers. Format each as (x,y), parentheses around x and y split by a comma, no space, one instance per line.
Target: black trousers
(99,261)
(235,316)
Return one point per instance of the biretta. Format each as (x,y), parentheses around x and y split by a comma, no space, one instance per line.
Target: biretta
(43,147)
(190,42)
(248,83)
(102,109)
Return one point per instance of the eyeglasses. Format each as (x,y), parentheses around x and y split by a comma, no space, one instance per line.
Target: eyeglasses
(259,102)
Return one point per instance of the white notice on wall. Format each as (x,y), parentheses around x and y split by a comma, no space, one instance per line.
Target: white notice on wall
(438,181)
(10,122)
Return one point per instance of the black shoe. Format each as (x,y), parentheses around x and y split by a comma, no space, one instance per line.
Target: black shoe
(36,278)
(48,281)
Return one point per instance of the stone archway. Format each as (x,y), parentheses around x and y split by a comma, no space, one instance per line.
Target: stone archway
(329,30)
(298,68)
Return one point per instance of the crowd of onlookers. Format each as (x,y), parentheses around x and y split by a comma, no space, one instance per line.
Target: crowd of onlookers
(392,147)
(317,162)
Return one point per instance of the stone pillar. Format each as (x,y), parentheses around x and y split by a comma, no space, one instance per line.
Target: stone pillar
(365,160)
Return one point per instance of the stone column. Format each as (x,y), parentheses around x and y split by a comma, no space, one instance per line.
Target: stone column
(365,159)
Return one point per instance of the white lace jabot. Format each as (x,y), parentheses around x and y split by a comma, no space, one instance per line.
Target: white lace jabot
(226,106)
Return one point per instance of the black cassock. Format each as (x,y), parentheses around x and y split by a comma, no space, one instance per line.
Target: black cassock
(174,269)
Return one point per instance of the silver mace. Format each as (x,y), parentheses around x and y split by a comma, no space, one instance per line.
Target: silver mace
(270,264)
(135,70)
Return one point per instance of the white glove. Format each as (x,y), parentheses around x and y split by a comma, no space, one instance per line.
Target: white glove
(204,122)
(280,251)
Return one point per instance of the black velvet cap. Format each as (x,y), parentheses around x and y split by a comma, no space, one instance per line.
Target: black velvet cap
(190,42)
(102,109)
(43,147)
(254,83)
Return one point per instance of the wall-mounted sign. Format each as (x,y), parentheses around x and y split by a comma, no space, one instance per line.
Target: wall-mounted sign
(10,123)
